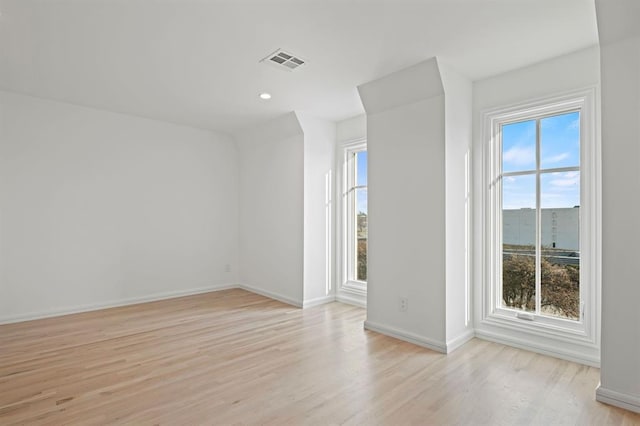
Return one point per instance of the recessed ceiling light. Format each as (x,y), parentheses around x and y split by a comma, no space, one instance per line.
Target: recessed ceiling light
(265,96)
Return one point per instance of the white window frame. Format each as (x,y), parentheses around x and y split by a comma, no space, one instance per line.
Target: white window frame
(585,330)
(347,254)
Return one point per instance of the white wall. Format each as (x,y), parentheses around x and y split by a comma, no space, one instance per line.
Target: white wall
(458,135)
(569,72)
(406,190)
(620,374)
(574,71)
(419,129)
(98,208)
(351,129)
(272,209)
(319,219)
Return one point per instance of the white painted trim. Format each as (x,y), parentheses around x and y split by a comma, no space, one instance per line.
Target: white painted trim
(155,297)
(406,336)
(341,230)
(618,399)
(318,301)
(349,298)
(463,338)
(111,304)
(271,295)
(350,143)
(585,333)
(538,347)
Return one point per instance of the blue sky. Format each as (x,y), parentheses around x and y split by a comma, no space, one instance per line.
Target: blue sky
(361,179)
(559,147)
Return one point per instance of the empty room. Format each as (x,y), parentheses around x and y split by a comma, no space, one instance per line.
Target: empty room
(319,212)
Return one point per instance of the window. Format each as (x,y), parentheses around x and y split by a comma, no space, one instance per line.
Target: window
(354,217)
(540,192)
(540,200)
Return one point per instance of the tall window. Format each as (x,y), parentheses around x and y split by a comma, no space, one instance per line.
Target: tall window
(541,221)
(540,188)
(355,215)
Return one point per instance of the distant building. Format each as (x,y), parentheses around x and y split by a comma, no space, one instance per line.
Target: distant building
(560,227)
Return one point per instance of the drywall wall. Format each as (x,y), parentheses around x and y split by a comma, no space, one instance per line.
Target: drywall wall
(578,70)
(272,209)
(319,152)
(98,208)
(458,134)
(353,128)
(617,20)
(573,71)
(406,146)
(419,129)
(620,363)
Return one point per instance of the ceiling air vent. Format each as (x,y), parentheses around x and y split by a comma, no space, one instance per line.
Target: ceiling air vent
(284,60)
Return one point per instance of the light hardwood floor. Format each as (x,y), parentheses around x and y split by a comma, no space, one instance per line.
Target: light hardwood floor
(233,357)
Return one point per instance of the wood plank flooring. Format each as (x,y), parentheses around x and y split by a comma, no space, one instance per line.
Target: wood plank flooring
(233,357)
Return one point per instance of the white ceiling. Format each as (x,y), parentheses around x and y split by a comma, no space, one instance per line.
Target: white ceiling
(196,62)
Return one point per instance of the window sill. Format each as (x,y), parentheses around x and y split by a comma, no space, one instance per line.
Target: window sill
(541,328)
(354,287)
(558,348)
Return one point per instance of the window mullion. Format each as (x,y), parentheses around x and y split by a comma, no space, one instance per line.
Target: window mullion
(538,224)
(353,226)
(518,173)
(498,244)
(349,201)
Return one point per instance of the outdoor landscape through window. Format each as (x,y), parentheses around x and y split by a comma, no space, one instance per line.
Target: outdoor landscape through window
(541,215)
(361,216)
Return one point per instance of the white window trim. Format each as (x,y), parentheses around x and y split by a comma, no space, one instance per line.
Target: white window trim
(345,227)
(586,331)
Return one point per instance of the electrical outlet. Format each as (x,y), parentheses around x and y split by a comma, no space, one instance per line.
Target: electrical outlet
(404,304)
(227,267)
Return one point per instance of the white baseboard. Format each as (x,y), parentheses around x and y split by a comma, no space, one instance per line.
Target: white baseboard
(271,295)
(538,348)
(463,338)
(111,304)
(151,298)
(406,336)
(628,402)
(318,301)
(352,299)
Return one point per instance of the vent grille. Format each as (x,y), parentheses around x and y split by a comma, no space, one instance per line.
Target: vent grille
(284,60)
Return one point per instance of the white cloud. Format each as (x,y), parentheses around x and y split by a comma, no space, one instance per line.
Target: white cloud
(520,155)
(564,182)
(556,158)
(566,179)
